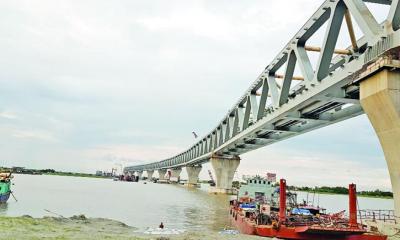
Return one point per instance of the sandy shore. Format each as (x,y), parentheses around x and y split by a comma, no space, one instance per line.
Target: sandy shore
(79,227)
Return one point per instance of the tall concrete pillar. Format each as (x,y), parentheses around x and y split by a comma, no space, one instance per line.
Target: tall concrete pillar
(380,99)
(161,174)
(176,172)
(193,174)
(150,174)
(139,174)
(224,169)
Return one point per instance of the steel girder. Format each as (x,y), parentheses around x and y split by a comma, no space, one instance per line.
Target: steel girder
(268,112)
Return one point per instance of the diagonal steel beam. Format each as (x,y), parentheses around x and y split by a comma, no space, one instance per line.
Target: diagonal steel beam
(364,18)
(330,40)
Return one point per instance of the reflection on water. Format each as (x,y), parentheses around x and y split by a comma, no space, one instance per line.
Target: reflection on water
(137,204)
(3,208)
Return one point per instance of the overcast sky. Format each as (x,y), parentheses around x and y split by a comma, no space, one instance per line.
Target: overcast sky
(88,84)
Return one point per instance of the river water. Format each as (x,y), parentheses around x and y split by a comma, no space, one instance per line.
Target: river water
(138,204)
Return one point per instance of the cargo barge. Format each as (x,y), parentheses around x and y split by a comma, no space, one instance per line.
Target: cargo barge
(256,213)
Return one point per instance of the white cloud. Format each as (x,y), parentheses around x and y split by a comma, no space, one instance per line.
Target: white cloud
(8,115)
(229,24)
(33,135)
(131,154)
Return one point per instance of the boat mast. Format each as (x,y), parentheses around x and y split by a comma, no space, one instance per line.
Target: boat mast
(282,200)
(352,206)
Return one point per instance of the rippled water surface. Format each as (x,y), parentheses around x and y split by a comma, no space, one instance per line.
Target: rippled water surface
(137,204)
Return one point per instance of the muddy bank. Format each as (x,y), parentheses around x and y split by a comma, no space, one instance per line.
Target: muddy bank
(80,227)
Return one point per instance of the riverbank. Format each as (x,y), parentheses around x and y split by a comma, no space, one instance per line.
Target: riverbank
(71,174)
(28,171)
(343,191)
(358,194)
(80,227)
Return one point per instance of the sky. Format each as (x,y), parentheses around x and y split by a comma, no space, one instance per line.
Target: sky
(93,84)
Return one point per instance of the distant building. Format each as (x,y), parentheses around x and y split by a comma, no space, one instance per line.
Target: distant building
(271,177)
(99,173)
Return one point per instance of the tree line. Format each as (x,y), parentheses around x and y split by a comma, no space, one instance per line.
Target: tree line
(342,190)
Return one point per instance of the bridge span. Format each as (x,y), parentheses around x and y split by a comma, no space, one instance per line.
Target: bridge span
(362,78)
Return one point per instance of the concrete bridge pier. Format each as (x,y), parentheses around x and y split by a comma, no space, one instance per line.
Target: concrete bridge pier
(161,174)
(224,169)
(150,174)
(175,174)
(193,175)
(139,174)
(380,99)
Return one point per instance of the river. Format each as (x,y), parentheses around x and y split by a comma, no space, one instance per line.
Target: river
(138,204)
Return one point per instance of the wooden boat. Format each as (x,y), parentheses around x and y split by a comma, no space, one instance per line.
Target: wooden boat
(5,187)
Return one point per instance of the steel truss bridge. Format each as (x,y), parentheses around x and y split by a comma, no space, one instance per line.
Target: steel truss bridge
(279,105)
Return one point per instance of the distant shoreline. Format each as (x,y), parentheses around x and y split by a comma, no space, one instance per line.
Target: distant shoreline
(358,194)
(66,174)
(26,171)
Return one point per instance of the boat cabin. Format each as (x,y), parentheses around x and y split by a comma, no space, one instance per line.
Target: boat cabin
(258,189)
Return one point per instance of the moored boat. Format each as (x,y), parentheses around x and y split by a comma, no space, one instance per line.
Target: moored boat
(5,187)
(288,220)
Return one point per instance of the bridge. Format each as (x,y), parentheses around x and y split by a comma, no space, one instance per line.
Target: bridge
(362,78)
